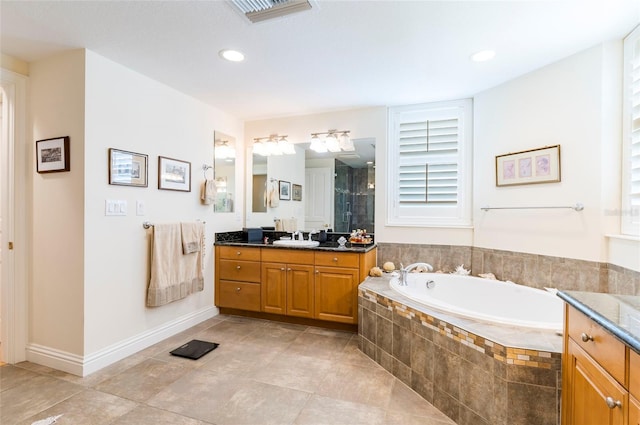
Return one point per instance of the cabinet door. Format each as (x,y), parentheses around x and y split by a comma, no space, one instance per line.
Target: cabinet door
(300,285)
(336,297)
(634,411)
(595,397)
(274,287)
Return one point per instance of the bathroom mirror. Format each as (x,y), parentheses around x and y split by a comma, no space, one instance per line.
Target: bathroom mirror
(224,164)
(337,189)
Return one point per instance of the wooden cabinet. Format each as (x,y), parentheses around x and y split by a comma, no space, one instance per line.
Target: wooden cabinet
(336,297)
(634,411)
(238,277)
(302,283)
(595,376)
(287,282)
(634,388)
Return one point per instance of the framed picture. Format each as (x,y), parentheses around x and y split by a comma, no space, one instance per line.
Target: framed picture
(285,190)
(52,155)
(128,168)
(174,174)
(296,192)
(540,165)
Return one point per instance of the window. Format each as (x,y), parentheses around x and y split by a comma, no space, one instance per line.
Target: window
(631,136)
(429,163)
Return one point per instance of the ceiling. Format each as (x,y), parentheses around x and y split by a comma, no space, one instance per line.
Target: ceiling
(339,55)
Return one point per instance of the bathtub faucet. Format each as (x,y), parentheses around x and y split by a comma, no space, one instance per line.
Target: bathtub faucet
(406,270)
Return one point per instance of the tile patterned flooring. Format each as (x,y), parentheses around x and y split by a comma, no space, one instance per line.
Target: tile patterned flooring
(262,373)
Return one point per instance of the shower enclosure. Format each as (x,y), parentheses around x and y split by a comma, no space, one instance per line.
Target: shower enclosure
(354,198)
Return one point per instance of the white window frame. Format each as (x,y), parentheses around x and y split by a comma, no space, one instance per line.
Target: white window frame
(431,215)
(630,222)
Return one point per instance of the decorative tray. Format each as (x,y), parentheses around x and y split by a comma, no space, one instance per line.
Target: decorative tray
(367,241)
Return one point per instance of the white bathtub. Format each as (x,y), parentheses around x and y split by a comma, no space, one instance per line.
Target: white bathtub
(483,299)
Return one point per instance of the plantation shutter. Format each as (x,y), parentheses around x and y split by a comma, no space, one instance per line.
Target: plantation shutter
(631,184)
(428,166)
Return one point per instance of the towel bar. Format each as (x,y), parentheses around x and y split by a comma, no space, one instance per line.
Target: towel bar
(147,224)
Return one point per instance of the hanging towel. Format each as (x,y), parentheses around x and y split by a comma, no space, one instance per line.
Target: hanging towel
(208,192)
(274,195)
(191,237)
(174,275)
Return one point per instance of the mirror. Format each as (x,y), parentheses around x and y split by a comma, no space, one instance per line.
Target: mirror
(338,189)
(224,172)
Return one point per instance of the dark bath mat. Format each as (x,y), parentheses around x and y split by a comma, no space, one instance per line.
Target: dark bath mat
(194,349)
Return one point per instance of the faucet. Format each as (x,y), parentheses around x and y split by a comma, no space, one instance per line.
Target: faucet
(405,271)
(312,232)
(300,235)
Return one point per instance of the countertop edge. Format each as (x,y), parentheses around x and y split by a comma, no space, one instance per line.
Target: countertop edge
(358,249)
(624,336)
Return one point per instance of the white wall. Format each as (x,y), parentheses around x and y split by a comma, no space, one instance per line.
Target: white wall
(90,271)
(56,306)
(129,111)
(567,103)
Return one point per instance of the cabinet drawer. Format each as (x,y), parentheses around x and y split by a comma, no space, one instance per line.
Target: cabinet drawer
(239,253)
(605,349)
(290,256)
(245,271)
(634,374)
(240,295)
(337,259)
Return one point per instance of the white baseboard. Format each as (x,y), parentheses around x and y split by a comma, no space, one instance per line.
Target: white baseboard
(83,366)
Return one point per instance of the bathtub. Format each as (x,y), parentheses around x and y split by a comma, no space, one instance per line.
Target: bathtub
(487,300)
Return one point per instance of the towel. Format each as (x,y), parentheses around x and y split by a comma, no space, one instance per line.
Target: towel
(208,192)
(290,225)
(274,195)
(173,274)
(191,237)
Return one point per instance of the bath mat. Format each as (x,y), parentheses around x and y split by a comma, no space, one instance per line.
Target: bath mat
(194,349)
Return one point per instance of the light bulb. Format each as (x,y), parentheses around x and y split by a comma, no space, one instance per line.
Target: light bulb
(332,143)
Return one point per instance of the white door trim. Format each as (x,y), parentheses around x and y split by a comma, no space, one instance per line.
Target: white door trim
(15,217)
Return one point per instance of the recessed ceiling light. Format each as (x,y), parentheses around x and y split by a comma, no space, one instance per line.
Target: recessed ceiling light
(231,55)
(483,55)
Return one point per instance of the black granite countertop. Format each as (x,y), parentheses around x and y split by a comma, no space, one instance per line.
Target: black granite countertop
(324,246)
(619,314)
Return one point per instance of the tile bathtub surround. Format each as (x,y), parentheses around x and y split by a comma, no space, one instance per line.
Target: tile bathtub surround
(262,373)
(473,380)
(533,270)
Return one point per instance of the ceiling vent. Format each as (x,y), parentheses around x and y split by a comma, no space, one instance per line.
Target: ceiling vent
(261,10)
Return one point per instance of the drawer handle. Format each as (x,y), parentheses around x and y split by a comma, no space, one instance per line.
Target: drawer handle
(238,267)
(611,403)
(238,253)
(586,338)
(335,259)
(238,289)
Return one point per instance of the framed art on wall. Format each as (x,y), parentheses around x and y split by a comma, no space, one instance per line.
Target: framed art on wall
(540,165)
(174,174)
(52,155)
(296,192)
(285,190)
(128,168)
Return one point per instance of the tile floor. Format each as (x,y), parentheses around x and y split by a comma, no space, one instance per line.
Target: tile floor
(262,373)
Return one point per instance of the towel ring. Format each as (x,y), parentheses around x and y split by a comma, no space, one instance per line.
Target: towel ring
(206,167)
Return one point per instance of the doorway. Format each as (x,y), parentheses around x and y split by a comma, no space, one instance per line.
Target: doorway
(13,227)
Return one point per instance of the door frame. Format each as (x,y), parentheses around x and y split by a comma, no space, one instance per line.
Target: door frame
(15,217)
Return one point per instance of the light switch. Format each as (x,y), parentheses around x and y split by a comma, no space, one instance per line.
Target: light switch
(140,207)
(115,207)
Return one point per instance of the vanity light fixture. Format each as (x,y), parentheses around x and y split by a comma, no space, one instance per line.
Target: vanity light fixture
(224,151)
(334,141)
(273,145)
(483,56)
(231,55)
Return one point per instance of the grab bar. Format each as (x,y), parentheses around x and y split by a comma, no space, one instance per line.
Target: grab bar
(577,207)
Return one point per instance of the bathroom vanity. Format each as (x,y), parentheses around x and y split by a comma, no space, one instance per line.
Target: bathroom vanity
(601,362)
(314,285)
